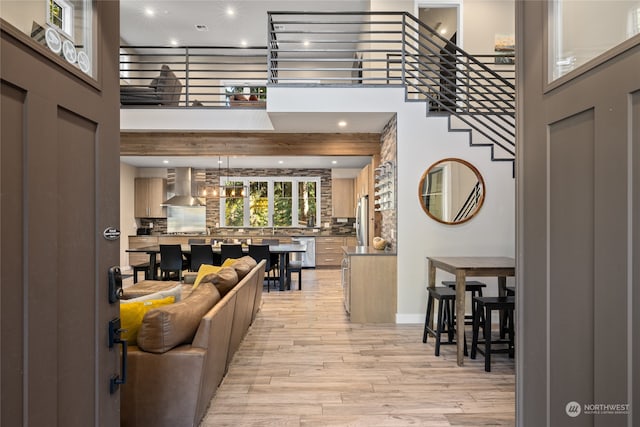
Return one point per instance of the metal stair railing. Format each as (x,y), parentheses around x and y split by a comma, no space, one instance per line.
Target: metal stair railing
(395,48)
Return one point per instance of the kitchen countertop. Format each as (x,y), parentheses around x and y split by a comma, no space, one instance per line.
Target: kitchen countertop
(366,250)
(250,235)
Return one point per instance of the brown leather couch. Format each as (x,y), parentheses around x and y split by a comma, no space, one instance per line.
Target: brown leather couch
(173,388)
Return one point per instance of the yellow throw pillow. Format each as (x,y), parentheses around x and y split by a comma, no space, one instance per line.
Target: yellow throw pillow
(204,270)
(132,313)
(228,262)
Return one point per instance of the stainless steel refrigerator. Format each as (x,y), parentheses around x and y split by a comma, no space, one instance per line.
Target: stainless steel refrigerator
(362,222)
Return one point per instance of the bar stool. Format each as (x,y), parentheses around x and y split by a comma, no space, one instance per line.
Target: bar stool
(294,266)
(444,322)
(143,267)
(475,288)
(489,304)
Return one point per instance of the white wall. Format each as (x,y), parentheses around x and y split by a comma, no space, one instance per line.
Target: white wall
(421,142)
(128,222)
(127,219)
(482,20)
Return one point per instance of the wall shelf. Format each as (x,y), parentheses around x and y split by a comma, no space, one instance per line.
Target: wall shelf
(384,194)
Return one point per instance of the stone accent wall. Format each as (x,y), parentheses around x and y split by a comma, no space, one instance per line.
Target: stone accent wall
(212,177)
(388,151)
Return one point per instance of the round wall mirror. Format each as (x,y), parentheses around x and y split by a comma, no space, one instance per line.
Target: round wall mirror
(451,191)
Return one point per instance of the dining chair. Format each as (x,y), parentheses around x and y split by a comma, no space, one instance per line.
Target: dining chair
(231,250)
(171,261)
(259,253)
(201,254)
(275,258)
(294,266)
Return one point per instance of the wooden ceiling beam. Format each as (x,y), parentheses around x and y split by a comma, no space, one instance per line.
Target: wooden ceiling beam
(250,143)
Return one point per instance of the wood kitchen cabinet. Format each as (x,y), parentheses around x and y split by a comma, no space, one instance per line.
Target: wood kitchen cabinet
(369,285)
(140,242)
(343,197)
(329,250)
(150,193)
(363,182)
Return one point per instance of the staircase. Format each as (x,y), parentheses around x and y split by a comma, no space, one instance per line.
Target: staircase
(477,93)
(478,96)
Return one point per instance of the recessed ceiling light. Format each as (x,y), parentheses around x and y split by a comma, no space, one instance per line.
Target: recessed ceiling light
(173,42)
(342,123)
(443,31)
(334,162)
(231,11)
(280,161)
(306,43)
(165,161)
(202,27)
(243,43)
(149,11)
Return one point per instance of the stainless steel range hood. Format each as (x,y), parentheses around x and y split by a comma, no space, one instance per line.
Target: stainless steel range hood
(183,190)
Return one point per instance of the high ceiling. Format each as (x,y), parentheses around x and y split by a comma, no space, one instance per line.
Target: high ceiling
(163,23)
(159,22)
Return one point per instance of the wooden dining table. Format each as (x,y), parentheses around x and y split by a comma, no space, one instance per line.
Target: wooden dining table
(463,267)
(282,250)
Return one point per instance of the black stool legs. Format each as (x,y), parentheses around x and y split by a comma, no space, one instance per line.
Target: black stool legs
(489,304)
(445,320)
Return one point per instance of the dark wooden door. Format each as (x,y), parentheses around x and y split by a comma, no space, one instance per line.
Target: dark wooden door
(578,270)
(59,179)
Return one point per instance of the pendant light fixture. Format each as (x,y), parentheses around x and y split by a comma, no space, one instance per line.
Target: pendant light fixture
(225,188)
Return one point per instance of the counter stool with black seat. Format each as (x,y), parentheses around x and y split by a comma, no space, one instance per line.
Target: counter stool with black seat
(259,253)
(444,322)
(487,305)
(475,289)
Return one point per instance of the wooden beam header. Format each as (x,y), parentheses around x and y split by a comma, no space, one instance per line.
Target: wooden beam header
(249,143)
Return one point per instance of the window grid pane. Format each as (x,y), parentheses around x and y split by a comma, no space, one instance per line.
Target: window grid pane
(258,204)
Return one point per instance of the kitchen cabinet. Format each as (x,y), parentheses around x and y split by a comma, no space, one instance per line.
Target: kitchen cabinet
(363,182)
(369,284)
(150,193)
(140,242)
(343,197)
(329,250)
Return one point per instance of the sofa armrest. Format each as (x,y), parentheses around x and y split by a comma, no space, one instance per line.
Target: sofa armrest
(189,277)
(162,389)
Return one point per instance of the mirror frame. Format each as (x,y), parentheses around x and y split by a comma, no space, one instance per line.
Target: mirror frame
(473,169)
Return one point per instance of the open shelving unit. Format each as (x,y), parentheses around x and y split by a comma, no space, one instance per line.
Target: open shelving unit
(384,194)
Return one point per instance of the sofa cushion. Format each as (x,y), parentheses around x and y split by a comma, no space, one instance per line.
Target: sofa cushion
(132,313)
(244,265)
(146,287)
(204,270)
(167,86)
(224,279)
(175,292)
(166,327)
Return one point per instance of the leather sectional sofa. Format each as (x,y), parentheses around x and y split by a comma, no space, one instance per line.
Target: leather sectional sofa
(171,379)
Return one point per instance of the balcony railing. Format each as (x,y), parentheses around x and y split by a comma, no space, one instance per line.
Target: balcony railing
(352,49)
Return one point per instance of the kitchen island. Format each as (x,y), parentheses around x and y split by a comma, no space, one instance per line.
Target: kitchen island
(369,284)
(328,245)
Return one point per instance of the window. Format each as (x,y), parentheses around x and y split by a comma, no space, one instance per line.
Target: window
(60,15)
(272,202)
(579,31)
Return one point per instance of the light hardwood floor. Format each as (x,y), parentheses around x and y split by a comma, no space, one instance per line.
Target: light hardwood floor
(303,363)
